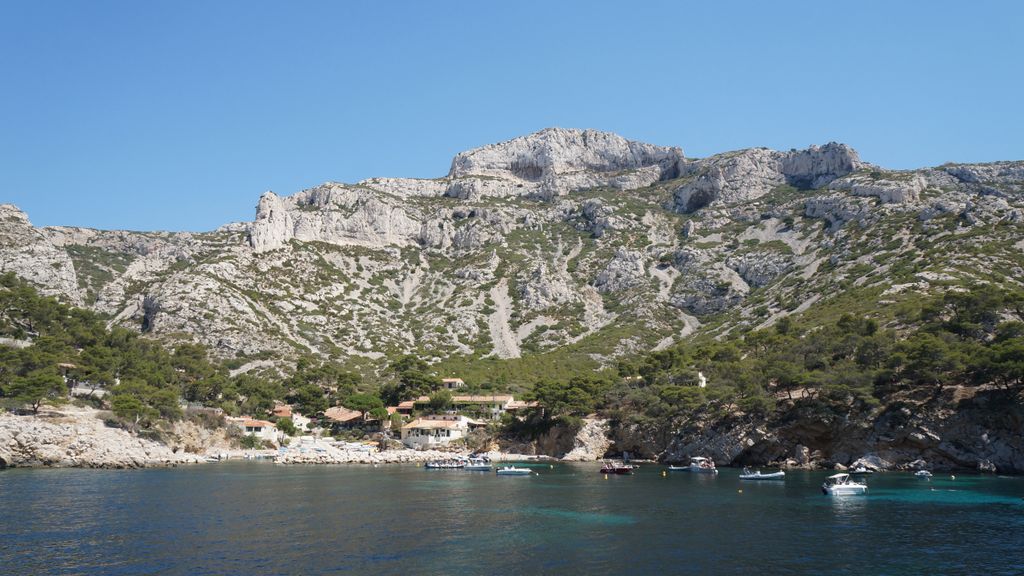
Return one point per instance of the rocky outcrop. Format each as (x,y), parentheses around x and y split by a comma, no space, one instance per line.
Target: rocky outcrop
(759,268)
(891,188)
(591,442)
(749,174)
(27,252)
(982,434)
(332,213)
(79,438)
(544,288)
(994,173)
(556,161)
(559,151)
(626,270)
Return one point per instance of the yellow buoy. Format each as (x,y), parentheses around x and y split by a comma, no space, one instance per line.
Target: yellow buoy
(552,466)
(740,491)
(605,476)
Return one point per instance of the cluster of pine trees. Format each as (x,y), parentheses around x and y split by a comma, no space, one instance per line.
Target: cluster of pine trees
(969,337)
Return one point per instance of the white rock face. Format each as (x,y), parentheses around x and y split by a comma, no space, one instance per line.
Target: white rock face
(543,289)
(891,190)
(991,173)
(748,174)
(27,252)
(556,161)
(558,151)
(273,227)
(78,438)
(591,442)
(332,213)
(626,270)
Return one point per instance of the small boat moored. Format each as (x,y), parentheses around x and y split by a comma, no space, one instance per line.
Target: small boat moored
(616,467)
(861,471)
(512,471)
(702,465)
(757,475)
(842,485)
(478,465)
(923,474)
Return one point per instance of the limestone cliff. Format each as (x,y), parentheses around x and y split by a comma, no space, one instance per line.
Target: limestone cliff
(562,242)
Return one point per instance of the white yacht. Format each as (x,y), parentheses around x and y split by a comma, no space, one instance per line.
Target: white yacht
(923,474)
(477,465)
(702,465)
(842,485)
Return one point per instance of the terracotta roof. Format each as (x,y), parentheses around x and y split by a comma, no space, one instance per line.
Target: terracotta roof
(249,423)
(283,411)
(392,409)
(342,414)
(407,405)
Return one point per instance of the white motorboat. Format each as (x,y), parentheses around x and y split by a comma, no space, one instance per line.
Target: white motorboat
(842,485)
(923,474)
(512,471)
(757,475)
(477,465)
(861,470)
(702,465)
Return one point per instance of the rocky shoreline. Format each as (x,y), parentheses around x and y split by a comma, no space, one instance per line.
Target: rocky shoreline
(77,438)
(74,437)
(334,455)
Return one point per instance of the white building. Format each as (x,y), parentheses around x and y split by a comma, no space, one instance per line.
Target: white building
(431,431)
(261,429)
(285,411)
(452,383)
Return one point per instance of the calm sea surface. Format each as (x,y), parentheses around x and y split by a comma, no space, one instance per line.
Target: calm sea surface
(260,518)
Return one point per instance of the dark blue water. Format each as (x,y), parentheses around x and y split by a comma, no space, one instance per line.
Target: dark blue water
(260,518)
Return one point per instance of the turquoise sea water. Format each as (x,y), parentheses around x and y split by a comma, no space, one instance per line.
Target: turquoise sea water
(260,518)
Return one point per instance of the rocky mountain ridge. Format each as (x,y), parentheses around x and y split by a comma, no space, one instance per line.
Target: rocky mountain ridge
(571,244)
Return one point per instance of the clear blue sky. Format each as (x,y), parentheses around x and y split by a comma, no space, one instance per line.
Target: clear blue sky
(178,114)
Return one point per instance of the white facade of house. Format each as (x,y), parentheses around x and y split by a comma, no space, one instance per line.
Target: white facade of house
(261,429)
(452,383)
(431,431)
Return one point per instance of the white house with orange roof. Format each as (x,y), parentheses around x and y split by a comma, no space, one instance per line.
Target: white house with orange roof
(261,429)
(452,383)
(436,430)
